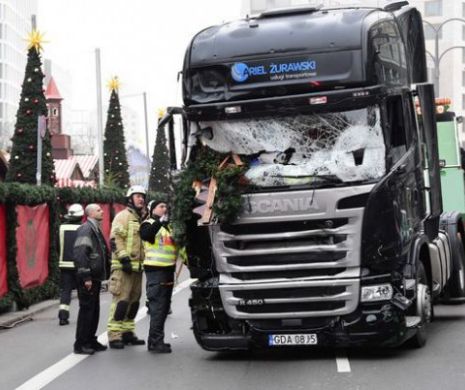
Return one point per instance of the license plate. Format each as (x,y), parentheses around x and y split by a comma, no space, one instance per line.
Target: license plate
(292,339)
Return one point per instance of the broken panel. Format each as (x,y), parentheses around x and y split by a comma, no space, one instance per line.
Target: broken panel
(346,146)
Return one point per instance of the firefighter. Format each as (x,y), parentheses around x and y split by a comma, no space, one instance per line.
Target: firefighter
(126,270)
(67,271)
(161,253)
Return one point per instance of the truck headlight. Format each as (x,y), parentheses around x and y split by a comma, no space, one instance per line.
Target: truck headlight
(380,292)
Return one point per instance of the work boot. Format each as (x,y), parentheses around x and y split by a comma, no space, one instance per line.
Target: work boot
(131,339)
(63,322)
(160,348)
(116,344)
(84,350)
(98,347)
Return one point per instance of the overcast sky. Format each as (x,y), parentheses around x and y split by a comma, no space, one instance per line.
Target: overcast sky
(141,41)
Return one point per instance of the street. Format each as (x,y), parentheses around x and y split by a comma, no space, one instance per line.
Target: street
(38,354)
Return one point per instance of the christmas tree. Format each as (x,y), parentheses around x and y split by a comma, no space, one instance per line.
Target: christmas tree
(114,151)
(160,170)
(23,161)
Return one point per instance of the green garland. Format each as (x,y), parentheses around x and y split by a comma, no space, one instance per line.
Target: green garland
(227,203)
(25,194)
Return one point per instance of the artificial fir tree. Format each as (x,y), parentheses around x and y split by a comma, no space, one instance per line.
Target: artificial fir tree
(23,161)
(160,170)
(115,160)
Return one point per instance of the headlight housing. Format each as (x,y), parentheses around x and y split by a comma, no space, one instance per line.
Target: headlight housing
(375,293)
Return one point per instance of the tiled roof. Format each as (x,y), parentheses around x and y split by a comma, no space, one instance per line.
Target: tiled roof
(52,90)
(64,168)
(87,163)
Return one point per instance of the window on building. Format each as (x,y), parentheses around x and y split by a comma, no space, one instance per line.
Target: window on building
(430,33)
(433,8)
(463,78)
(463,102)
(55,111)
(463,10)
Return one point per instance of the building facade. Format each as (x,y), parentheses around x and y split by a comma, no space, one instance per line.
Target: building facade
(15,24)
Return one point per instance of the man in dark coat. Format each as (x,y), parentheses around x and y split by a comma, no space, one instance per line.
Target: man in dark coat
(91,259)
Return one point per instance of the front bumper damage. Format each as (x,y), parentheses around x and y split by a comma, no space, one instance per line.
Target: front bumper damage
(373,324)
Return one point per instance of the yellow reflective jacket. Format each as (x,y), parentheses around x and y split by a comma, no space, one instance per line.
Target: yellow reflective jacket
(125,240)
(163,251)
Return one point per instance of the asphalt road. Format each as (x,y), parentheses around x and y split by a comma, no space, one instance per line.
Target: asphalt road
(37,354)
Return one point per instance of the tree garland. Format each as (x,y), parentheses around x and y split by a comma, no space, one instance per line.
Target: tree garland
(227,204)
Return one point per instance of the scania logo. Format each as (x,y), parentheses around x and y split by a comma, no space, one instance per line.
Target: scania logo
(240,72)
(268,206)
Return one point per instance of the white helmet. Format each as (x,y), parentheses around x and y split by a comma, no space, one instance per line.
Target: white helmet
(136,190)
(75,211)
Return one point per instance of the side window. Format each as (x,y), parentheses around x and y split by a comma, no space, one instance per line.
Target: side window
(397,131)
(391,65)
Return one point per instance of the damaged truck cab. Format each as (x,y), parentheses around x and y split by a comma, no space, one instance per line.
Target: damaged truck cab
(341,239)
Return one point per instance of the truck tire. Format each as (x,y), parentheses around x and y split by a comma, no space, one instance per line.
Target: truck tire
(423,307)
(457,279)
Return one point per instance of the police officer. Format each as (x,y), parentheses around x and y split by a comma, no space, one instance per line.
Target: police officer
(126,270)
(161,253)
(67,270)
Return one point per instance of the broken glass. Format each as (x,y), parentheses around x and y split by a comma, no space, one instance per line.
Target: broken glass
(301,149)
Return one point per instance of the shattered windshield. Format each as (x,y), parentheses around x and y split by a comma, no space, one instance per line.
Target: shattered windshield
(345,146)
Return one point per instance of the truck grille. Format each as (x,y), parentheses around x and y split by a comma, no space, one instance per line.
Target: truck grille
(280,264)
(290,300)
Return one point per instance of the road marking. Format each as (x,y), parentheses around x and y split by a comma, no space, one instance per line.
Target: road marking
(43,378)
(342,361)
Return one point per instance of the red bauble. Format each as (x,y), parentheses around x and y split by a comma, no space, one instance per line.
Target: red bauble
(36,101)
(18,175)
(29,112)
(31,147)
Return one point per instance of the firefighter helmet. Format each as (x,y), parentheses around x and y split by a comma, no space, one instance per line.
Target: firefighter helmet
(75,211)
(136,190)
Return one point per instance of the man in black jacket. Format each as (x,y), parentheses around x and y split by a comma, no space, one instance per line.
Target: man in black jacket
(91,258)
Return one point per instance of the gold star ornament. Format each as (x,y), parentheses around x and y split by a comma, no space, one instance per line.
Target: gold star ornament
(161,113)
(113,84)
(35,40)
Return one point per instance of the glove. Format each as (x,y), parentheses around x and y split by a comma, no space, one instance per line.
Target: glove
(164,220)
(126,265)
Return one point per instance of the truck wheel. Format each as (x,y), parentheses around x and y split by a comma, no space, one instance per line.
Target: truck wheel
(457,281)
(423,307)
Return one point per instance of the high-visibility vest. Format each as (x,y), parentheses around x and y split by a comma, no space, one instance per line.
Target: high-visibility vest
(67,239)
(163,252)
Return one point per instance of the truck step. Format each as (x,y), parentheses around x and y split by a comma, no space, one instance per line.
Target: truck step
(412,321)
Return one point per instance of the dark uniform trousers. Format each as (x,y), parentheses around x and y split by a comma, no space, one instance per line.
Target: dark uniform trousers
(89,311)
(67,284)
(159,289)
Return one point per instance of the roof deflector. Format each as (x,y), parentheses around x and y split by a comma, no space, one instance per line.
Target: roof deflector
(289,11)
(395,6)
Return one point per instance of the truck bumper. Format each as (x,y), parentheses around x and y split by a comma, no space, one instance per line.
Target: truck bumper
(382,326)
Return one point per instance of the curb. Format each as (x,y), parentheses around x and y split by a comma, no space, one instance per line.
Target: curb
(11,319)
